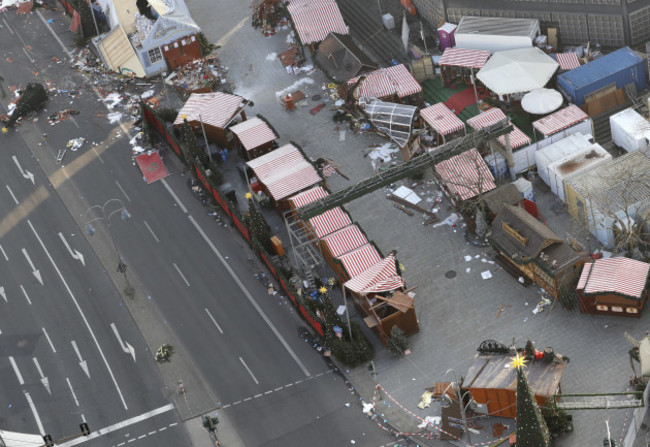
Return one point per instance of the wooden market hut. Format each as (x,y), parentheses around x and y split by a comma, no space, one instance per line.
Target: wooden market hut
(461,63)
(253,138)
(446,125)
(313,20)
(614,286)
(341,242)
(567,61)
(527,248)
(558,121)
(282,173)
(493,382)
(380,297)
(341,58)
(390,84)
(502,195)
(212,111)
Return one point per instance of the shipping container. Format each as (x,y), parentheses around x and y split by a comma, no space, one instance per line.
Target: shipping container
(563,170)
(630,130)
(622,67)
(496,33)
(557,151)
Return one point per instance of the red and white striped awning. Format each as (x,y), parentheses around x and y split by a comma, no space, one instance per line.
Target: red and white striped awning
(567,61)
(384,82)
(381,277)
(309,196)
(493,116)
(344,240)
(359,260)
(464,57)
(214,109)
(253,133)
(443,120)
(466,174)
(559,120)
(315,19)
(284,171)
(623,276)
(330,221)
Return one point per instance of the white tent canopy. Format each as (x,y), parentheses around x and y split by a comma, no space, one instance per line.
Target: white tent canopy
(542,101)
(517,71)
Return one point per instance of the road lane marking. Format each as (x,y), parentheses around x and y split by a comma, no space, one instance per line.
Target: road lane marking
(99,157)
(151,231)
(173,194)
(76,303)
(21,381)
(35,271)
(248,296)
(249,371)
(33,407)
(173,424)
(28,56)
(126,347)
(83,363)
(56,37)
(74,121)
(74,396)
(213,320)
(3,253)
(120,425)
(25,293)
(24,172)
(74,253)
(49,340)
(12,195)
(7,25)
(3,294)
(122,189)
(44,380)
(181,273)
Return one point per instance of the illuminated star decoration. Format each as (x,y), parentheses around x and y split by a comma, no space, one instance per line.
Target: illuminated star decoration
(184,117)
(249,195)
(5,130)
(518,361)
(323,290)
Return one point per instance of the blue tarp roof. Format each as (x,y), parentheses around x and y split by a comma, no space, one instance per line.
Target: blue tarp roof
(600,68)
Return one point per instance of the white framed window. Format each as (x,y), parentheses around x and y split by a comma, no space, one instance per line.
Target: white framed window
(601,307)
(155,55)
(631,310)
(617,309)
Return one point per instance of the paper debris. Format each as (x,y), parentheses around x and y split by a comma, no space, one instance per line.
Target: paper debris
(486,274)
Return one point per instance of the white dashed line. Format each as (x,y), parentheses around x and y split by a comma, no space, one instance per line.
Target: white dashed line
(152,432)
(257,395)
(151,231)
(142,436)
(162,429)
(12,195)
(173,424)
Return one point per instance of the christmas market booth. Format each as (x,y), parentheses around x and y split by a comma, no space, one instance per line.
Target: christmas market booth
(253,138)
(313,20)
(341,59)
(529,249)
(446,126)
(492,380)
(614,286)
(391,84)
(461,63)
(282,173)
(380,296)
(212,113)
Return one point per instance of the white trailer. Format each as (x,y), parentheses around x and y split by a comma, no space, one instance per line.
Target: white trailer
(496,33)
(564,169)
(559,150)
(630,130)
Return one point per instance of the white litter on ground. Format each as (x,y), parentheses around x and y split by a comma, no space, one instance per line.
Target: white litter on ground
(293,87)
(147,94)
(486,274)
(112,100)
(76,143)
(114,117)
(383,153)
(468,258)
(271,56)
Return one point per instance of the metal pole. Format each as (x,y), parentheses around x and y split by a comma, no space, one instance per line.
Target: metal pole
(462,413)
(381,16)
(205,137)
(347,312)
(473,79)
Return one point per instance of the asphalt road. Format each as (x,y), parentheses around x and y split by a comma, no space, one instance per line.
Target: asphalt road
(237,347)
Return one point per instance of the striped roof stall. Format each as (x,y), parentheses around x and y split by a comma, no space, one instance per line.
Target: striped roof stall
(394,80)
(309,196)
(215,109)
(466,174)
(560,120)
(359,260)
(330,221)
(253,133)
(464,57)
(622,276)
(284,171)
(443,120)
(315,19)
(493,116)
(344,240)
(381,277)
(567,61)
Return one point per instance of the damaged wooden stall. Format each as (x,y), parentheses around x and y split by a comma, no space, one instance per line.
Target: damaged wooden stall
(380,297)
(391,84)
(253,138)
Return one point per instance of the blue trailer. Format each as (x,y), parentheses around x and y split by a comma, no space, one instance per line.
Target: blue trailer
(622,67)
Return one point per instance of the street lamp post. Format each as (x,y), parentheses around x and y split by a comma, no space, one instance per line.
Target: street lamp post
(461,401)
(106,214)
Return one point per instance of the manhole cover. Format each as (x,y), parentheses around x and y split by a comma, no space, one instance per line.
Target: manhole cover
(316,98)
(450,274)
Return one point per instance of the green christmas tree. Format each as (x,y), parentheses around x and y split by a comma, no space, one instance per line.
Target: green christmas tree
(257,226)
(531,427)
(191,149)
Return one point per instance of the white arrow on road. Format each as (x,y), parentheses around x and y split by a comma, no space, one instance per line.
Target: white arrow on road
(35,272)
(74,253)
(3,293)
(126,347)
(44,380)
(82,362)
(24,172)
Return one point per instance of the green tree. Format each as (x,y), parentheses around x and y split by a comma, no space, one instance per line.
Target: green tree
(532,430)
(257,226)
(397,342)
(191,149)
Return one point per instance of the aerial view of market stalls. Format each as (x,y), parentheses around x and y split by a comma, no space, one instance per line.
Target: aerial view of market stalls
(533,152)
